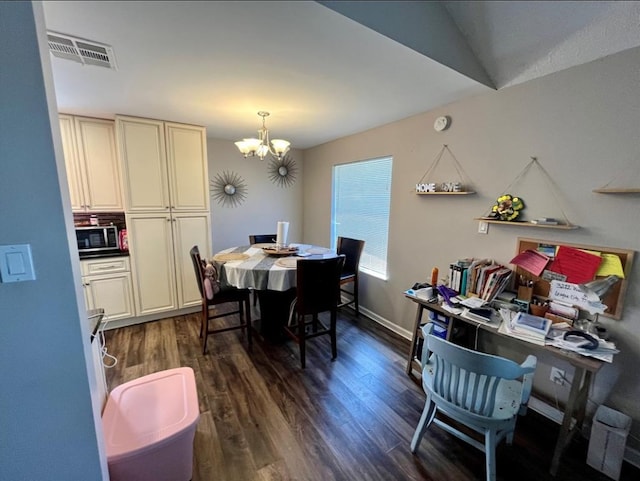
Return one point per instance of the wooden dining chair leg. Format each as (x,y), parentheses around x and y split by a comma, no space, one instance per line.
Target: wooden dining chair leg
(241,305)
(356,301)
(334,336)
(302,341)
(205,334)
(202,319)
(247,318)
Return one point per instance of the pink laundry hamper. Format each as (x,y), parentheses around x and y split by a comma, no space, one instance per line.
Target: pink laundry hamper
(149,427)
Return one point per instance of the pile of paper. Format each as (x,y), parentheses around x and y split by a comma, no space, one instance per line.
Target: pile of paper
(524,326)
(604,351)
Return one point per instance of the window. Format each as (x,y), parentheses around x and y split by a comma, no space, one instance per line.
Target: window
(360,210)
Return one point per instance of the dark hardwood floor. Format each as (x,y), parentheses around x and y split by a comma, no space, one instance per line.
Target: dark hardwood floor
(263,418)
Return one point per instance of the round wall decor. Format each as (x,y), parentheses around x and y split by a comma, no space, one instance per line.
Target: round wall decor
(228,188)
(283,172)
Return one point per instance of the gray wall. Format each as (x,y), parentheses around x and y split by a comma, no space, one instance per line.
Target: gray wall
(583,126)
(48,426)
(265,204)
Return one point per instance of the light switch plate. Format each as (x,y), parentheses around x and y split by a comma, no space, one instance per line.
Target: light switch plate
(483,227)
(16,263)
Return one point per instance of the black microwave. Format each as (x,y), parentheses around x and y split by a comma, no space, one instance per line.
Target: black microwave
(97,240)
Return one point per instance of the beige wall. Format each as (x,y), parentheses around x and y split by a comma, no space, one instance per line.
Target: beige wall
(265,204)
(582,124)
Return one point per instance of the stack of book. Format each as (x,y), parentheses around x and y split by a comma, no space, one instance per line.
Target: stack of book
(480,277)
(458,273)
(545,221)
(529,327)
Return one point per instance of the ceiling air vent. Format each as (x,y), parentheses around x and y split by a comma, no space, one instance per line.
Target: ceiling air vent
(86,52)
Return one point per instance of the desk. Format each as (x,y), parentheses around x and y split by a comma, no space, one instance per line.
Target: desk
(584,370)
(275,284)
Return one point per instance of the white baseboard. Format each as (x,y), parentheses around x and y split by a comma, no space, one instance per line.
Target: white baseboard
(632,456)
(383,322)
(130,321)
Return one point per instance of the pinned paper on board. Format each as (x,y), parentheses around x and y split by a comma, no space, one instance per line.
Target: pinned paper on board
(579,266)
(531,261)
(611,266)
(570,294)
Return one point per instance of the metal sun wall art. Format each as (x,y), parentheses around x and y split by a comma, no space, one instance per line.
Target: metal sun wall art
(228,188)
(283,172)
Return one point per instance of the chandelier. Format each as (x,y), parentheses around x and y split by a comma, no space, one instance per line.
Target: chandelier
(260,146)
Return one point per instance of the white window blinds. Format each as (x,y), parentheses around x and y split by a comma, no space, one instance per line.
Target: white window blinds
(360,210)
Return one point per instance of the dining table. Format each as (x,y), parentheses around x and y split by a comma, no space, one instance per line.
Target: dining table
(271,272)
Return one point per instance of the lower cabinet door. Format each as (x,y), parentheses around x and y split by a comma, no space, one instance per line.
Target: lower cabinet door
(152,264)
(111,292)
(189,230)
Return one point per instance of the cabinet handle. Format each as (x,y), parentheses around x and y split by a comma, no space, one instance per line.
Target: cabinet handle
(102,268)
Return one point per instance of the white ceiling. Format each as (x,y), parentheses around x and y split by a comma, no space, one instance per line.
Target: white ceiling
(321,75)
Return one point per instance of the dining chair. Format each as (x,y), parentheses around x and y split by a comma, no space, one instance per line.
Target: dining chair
(262,239)
(352,250)
(483,392)
(211,299)
(317,291)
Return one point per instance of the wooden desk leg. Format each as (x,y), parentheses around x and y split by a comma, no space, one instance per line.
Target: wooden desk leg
(414,337)
(575,408)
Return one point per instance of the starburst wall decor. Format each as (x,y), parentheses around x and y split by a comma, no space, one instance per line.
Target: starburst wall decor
(283,171)
(228,188)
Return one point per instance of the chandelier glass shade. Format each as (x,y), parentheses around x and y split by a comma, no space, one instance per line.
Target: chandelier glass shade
(261,146)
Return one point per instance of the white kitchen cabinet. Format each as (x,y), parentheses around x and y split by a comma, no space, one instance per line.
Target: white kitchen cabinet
(100,393)
(91,162)
(164,165)
(166,191)
(164,279)
(107,284)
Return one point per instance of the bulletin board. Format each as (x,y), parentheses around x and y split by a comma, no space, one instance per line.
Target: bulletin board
(615,297)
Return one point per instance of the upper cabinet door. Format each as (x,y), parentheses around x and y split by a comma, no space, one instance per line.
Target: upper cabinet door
(74,174)
(99,164)
(187,164)
(144,164)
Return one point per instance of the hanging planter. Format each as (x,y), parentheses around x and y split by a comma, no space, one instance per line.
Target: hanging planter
(508,208)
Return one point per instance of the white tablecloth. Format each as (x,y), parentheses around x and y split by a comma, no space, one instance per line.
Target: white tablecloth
(261,271)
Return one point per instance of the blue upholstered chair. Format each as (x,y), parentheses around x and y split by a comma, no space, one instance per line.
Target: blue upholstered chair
(481,391)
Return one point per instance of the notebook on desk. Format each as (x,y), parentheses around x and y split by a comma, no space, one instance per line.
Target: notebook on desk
(484,315)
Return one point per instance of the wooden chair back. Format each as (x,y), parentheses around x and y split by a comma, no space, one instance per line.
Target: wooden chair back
(318,285)
(262,239)
(352,250)
(198,268)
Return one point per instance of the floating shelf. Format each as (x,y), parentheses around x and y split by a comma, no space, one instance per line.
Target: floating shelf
(463,181)
(613,190)
(529,224)
(445,193)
